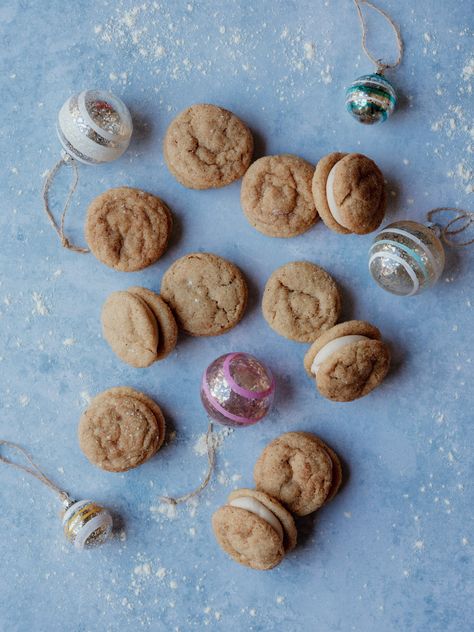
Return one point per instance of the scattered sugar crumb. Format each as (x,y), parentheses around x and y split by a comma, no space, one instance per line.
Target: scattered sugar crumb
(468,70)
(173,584)
(280,599)
(69,342)
(85,397)
(419,544)
(217,439)
(39,304)
(165,509)
(143,569)
(161,572)
(309,50)
(24,400)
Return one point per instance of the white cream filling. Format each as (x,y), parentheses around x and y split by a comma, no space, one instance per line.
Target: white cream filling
(256,507)
(332,346)
(333,207)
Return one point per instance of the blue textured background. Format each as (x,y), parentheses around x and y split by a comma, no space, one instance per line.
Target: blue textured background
(394,550)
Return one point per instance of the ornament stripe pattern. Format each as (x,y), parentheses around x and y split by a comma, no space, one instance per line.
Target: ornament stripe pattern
(370,98)
(418,242)
(409,270)
(218,406)
(85,524)
(411,253)
(239,389)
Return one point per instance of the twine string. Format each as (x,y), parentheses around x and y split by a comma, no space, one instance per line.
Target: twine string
(461,221)
(211,458)
(380,65)
(65,160)
(34,470)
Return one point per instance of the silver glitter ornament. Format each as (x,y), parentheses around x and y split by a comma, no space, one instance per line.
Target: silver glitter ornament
(94,127)
(406,258)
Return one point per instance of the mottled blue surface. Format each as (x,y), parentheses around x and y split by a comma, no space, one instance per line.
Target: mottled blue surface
(394,550)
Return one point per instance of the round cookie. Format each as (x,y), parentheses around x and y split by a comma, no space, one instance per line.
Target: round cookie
(121,430)
(128,229)
(207,147)
(336,466)
(167,327)
(297,471)
(130,328)
(300,301)
(358,193)
(351,368)
(128,391)
(207,293)
(248,537)
(276,195)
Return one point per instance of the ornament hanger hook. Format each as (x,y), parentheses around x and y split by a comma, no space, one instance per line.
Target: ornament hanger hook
(379,63)
(453,227)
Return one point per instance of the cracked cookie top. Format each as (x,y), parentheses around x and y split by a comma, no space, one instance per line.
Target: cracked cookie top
(276,195)
(300,301)
(128,229)
(207,147)
(207,293)
(296,468)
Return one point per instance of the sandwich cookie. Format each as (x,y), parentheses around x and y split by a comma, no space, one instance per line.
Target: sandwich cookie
(254,529)
(348,361)
(349,193)
(300,471)
(121,429)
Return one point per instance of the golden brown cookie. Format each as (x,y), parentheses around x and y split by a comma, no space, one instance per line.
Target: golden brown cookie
(167,327)
(207,147)
(121,429)
(254,529)
(276,195)
(128,229)
(349,193)
(348,361)
(298,470)
(207,293)
(130,328)
(300,301)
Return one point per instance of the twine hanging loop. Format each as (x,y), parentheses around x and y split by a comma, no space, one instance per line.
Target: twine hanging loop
(456,225)
(68,161)
(32,469)
(379,63)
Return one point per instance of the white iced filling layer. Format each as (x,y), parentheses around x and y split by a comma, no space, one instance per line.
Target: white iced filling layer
(331,347)
(333,207)
(256,507)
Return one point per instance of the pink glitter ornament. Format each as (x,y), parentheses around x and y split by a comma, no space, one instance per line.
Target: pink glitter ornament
(237,390)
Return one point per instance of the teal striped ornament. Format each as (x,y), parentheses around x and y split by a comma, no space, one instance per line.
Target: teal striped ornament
(370,99)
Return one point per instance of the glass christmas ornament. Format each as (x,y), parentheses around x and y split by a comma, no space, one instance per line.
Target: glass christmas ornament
(406,258)
(237,390)
(94,127)
(371,99)
(86,524)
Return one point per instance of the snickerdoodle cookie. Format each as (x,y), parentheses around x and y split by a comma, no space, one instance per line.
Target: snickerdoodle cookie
(349,193)
(276,195)
(300,301)
(300,471)
(128,229)
(254,529)
(139,326)
(121,429)
(207,147)
(348,361)
(207,293)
